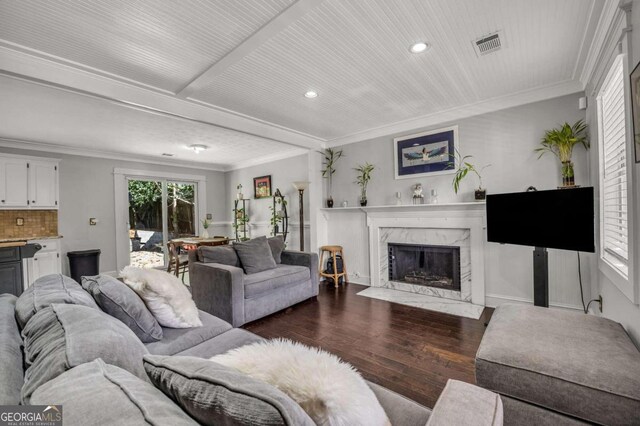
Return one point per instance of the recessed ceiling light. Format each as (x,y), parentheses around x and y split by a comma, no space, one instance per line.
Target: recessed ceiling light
(419,47)
(311,94)
(197,148)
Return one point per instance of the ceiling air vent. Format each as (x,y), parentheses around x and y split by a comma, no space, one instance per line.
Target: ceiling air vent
(489,43)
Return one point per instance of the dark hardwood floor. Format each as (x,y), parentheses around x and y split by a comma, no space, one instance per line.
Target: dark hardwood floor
(409,350)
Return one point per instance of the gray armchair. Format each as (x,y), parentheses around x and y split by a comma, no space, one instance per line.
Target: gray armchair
(220,287)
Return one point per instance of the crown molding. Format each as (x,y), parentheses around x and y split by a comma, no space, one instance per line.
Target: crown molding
(595,13)
(93,153)
(611,16)
(556,90)
(59,73)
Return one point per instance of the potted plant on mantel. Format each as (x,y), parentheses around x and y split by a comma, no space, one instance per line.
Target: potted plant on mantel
(560,142)
(464,167)
(363,178)
(331,156)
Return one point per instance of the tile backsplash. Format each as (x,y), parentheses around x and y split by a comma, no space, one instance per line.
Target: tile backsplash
(37,223)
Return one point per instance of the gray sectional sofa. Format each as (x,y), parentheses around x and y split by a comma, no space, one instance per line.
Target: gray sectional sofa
(221,286)
(57,347)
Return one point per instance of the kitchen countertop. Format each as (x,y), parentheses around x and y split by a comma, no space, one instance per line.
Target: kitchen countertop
(24,240)
(13,244)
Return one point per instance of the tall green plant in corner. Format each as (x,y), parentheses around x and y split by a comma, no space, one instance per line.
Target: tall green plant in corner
(560,142)
(331,156)
(362,179)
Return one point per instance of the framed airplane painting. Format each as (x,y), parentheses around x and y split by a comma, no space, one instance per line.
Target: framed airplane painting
(428,153)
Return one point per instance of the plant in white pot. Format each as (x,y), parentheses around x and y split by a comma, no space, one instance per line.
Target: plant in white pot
(362,179)
(331,156)
(560,142)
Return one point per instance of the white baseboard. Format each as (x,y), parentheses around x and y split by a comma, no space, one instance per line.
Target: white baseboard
(357,280)
(495,300)
(362,280)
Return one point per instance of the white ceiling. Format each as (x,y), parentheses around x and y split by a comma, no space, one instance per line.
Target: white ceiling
(246,65)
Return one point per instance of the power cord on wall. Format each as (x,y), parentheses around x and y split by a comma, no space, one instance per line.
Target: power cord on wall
(599,299)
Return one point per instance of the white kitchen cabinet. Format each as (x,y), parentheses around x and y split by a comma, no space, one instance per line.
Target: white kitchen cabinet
(43,184)
(14,182)
(28,182)
(45,262)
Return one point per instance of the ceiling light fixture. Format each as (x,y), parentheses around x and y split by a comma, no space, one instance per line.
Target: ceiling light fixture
(198,148)
(311,94)
(419,47)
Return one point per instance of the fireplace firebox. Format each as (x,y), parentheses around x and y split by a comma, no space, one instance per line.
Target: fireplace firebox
(425,265)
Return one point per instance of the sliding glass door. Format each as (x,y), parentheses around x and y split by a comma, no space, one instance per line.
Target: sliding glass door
(159,211)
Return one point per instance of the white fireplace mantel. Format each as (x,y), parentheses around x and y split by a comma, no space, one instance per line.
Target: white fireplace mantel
(458,216)
(470,206)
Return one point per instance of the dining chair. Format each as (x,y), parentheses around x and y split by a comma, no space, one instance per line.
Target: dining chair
(177,262)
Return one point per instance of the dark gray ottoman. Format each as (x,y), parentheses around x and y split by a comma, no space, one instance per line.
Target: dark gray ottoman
(581,366)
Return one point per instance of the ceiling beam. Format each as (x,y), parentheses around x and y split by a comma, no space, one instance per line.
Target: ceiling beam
(64,76)
(253,42)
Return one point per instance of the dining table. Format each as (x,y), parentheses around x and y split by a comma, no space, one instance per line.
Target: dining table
(191,243)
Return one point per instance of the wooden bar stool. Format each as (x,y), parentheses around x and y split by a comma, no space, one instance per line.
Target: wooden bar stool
(333,251)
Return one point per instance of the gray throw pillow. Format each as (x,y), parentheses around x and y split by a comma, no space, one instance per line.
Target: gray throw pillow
(276,244)
(225,255)
(119,301)
(44,291)
(96,393)
(63,336)
(217,395)
(255,255)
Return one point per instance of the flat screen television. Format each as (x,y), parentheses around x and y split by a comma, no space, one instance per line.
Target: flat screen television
(560,219)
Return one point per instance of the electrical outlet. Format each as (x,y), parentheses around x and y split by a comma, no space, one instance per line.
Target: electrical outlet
(209,216)
(93,221)
(19,221)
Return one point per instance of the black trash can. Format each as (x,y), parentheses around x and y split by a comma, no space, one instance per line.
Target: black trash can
(84,263)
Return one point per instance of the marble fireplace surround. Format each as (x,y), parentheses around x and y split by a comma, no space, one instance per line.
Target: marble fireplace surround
(450,225)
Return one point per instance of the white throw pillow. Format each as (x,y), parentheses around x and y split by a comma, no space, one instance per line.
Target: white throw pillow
(165,295)
(331,391)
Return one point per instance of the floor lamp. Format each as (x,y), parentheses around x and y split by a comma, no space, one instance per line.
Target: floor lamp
(301,186)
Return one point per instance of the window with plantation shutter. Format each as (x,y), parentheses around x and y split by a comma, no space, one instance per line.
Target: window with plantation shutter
(614,231)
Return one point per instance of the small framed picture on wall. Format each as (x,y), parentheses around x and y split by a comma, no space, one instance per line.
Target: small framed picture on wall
(426,154)
(635,110)
(262,187)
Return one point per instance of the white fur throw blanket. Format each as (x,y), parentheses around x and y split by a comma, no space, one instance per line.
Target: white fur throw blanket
(331,391)
(166,297)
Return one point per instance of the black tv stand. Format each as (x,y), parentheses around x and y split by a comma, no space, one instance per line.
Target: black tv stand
(541,277)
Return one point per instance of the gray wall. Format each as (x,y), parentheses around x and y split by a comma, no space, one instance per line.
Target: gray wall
(283,174)
(87,190)
(505,139)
